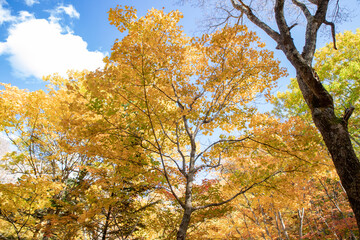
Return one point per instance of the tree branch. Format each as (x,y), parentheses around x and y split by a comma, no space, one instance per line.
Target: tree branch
(179,150)
(312,28)
(348,112)
(241,6)
(280,150)
(220,141)
(332,25)
(304,9)
(237,194)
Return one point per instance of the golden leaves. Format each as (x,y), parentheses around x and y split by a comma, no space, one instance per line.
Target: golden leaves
(122,17)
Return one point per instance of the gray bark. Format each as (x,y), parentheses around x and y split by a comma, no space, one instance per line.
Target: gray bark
(184,225)
(301,224)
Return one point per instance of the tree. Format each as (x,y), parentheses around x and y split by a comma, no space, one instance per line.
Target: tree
(307,201)
(100,148)
(169,89)
(333,129)
(338,71)
(71,181)
(272,209)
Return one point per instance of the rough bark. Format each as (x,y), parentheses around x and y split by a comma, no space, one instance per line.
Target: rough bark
(184,225)
(188,209)
(332,128)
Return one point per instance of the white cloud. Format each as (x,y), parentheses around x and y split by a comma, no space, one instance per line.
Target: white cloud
(38,47)
(24,16)
(68,10)
(5,14)
(2,47)
(31,2)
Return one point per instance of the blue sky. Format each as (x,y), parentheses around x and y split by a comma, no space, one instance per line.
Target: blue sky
(39,37)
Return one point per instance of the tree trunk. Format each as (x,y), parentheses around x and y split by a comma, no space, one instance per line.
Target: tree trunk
(301,218)
(188,209)
(283,225)
(181,234)
(337,139)
(333,129)
(106,226)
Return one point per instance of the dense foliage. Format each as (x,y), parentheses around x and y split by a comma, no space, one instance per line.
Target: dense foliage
(166,141)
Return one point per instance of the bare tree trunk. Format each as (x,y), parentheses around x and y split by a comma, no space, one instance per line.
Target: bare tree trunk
(283,226)
(264,220)
(184,225)
(301,218)
(254,214)
(337,139)
(277,224)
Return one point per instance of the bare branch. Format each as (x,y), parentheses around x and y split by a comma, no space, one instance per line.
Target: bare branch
(163,129)
(292,26)
(163,92)
(195,99)
(332,25)
(220,141)
(241,6)
(159,148)
(280,150)
(312,28)
(209,165)
(174,161)
(304,9)
(348,113)
(177,97)
(280,18)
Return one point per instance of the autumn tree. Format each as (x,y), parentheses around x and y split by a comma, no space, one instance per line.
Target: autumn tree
(338,71)
(158,96)
(307,201)
(98,148)
(315,206)
(69,184)
(333,127)
(172,90)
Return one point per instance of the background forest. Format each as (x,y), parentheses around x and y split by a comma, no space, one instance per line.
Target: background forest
(169,140)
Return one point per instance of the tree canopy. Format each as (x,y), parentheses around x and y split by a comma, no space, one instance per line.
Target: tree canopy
(166,141)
